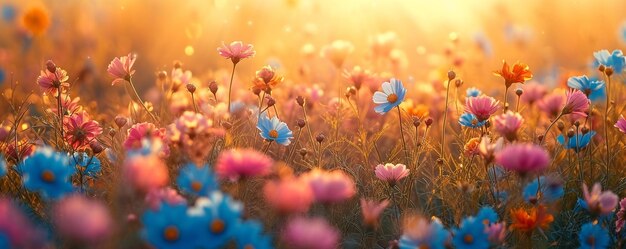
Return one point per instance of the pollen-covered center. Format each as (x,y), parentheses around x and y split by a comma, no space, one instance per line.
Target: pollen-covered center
(217,226)
(273,133)
(392,98)
(468,239)
(47,176)
(196,186)
(171,233)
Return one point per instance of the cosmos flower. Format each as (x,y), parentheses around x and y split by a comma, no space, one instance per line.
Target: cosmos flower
(274,130)
(47,172)
(145,172)
(551,104)
(242,163)
(16,230)
(508,124)
(236,51)
(36,20)
(330,186)
(523,158)
(122,68)
(518,74)
(524,221)
(249,235)
(576,102)
(310,233)
(533,92)
(197,180)
(219,215)
(50,82)
(80,130)
(621,124)
(471,147)
(593,89)
(482,107)
(420,233)
(170,227)
(621,216)
(598,201)
(470,120)
(69,106)
(614,59)
(358,76)
(371,211)
(391,173)
(487,215)
(289,194)
(577,142)
(391,96)
(593,236)
(471,234)
(140,131)
(551,190)
(496,233)
(78,218)
(89,165)
(168,195)
(487,149)
(266,79)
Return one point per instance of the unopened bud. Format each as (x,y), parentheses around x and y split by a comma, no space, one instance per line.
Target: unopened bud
(270,101)
(352,90)
(191,88)
(303,152)
(560,125)
(601,68)
(570,133)
(608,71)
(458,83)
(120,121)
(178,64)
(256,91)
(96,147)
(213,87)
(162,75)
(451,75)
(320,138)
(576,123)
(227,125)
(300,100)
(429,121)
(519,92)
(584,130)
(112,132)
(50,66)
(301,123)
(416,122)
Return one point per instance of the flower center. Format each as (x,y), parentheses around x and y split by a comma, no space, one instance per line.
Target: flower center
(392,98)
(248,246)
(591,240)
(171,233)
(47,176)
(196,186)
(217,226)
(273,133)
(469,239)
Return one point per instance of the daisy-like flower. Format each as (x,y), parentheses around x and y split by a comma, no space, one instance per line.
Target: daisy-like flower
(471,147)
(420,233)
(168,195)
(621,124)
(310,233)
(50,82)
(140,131)
(392,95)
(593,236)
(236,51)
(577,142)
(88,165)
(551,104)
(249,235)
(330,186)
(218,216)
(482,107)
(274,130)
(371,211)
(357,76)
(615,59)
(594,89)
(391,173)
(69,106)
(487,215)
(524,221)
(80,219)
(496,233)
(472,92)
(471,234)
(576,102)
(523,158)
(470,120)
(266,79)
(621,216)
(518,74)
(243,163)
(289,194)
(197,180)
(551,190)
(507,124)
(47,172)
(80,130)
(170,227)
(122,68)
(598,201)
(533,92)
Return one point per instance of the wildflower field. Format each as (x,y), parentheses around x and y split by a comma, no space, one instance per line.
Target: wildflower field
(312,124)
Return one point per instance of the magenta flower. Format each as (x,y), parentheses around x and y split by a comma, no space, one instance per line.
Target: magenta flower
(576,102)
(391,173)
(496,233)
(145,172)
(551,104)
(50,82)
(242,163)
(371,211)
(330,186)
(80,130)
(78,218)
(289,195)
(621,216)
(507,124)
(122,68)
(599,202)
(523,158)
(621,124)
(482,107)
(533,92)
(140,131)
(236,51)
(310,233)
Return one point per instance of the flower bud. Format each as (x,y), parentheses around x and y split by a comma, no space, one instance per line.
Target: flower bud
(451,75)
(320,138)
(120,121)
(96,147)
(608,71)
(300,100)
(560,125)
(416,122)
(256,91)
(191,88)
(303,152)
(429,121)
(178,64)
(50,66)
(458,83)
(301,123)
(270,101)
(227,125)
(570,133)
(601,68)
(584,130)
(162,75)
(213,87)
(519,92)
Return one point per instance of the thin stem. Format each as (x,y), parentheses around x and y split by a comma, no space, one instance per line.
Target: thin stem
(606,129)
(193,101)
(506,104)
(132,86)
(549,127)
(517,105)
(406,153)
(443,123)
(230,85)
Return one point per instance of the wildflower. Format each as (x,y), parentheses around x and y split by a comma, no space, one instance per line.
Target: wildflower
(527,222)
(266,79)
(551,190)
(392,95)
(16,230)
(197,180)
(140,131)
(533,92)
(289,194)
(523,158)
(51,82)
(487,149)
(621,124)
(487,215)
(242,163)
(471,234)
(249,235)
(577,142)
(170,227)
(357,77)
(371,211)
(621,216)
(551,104)
(236,51)
(593,236)
(122,68)
(15,152)
(576,103)
(496,233)
(472,92)
(310,233)
(420,233)
(598,202)
(482,107)
(47,172)
(274,130)
(219,215)
(330,186)
(507,124)
(81,219)
(519,74)
(614,59)
(168,195)
(470,120)
(80,130)
(145,172)
(337,52)
(36,20)
(471,147)
(69,106)
(89,165)
(593,89)
(391,173)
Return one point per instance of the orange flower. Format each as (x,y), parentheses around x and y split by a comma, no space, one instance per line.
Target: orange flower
(520,73)
(527,222)
(471,147)
(266,79)
(36,20)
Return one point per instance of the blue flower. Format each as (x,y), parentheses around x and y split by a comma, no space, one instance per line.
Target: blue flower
(171,226)
(197,180)
(274,130)
(47,172)
(219,215)
(392,95)
(469,120)
(472,92)
(249,234)
(436,239)
(4,241)
(8,14)
(3,166)
(615,59)
(593,88)
(551,190)
(593,236)
(90,166)
(577,142)
(487,215)
(471,234)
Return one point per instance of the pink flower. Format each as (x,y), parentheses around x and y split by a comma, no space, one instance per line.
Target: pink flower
(391,173)
(330,186)
(533,92)
(140,131)
(121,68)
(236,51)
(621,216)
(80,130)
(482,106)
(487,149)
(371,211)
(50,82)
(289,195)
(576,103)
(17,228)
(496,233)
(145,172)
(81,219)
(156,196)
(523,158)
(358,77)
(621,124)
(507,124)
(68,105)
(552,104)
(310,233)
(242,163)
(599,202)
